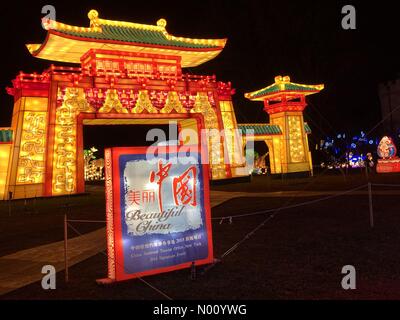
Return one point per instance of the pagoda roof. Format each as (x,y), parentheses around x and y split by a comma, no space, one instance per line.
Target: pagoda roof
(283,85)
(262,129)
(259,129)
(68,43)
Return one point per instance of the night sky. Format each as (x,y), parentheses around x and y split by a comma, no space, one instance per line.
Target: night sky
(302,39)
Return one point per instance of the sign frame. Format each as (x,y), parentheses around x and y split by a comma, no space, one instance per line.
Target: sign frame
(115,254)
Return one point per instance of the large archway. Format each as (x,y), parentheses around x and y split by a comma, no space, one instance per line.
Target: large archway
(193,122)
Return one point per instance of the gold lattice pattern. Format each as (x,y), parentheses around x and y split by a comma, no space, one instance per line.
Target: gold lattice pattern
(64,161)
(112,102)
(232,145)
(296,146)
(279,149)
(31,164)
(173,104)
(143,103)
(216,155)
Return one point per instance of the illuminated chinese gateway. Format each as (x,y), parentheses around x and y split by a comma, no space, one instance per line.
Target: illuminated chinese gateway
(286,135)
(132,74)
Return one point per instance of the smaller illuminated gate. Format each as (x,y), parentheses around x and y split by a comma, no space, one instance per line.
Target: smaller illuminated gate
(286,135)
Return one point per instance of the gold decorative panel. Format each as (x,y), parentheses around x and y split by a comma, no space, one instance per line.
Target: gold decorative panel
(143,103)
(5,152)
(31,162)
(296,143)
(215,149)
(112,102)
(64,159)
(232,145)
(173,104)
(279,146)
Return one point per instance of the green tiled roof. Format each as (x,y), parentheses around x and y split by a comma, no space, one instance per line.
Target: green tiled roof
(6,135)
(307,128)
(136,35)
(266,129)
(260,129)
(286,87)
(283,84)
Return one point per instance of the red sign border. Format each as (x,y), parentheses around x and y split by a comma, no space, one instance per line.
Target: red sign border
(114,227)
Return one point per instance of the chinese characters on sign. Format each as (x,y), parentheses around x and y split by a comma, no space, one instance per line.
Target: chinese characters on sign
(160,213)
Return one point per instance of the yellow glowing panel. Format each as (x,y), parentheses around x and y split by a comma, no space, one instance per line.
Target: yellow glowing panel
(189,134)
(5,150)
(35,104)
(215,147)
(279,145)
(225,106)
(64,163)
(296,143)
(231,139)
(277,155)
(31,162)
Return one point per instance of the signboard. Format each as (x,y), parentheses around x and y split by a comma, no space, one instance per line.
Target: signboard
(158,210)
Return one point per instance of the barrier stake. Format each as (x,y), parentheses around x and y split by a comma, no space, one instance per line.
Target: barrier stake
(65,247)
(371,209)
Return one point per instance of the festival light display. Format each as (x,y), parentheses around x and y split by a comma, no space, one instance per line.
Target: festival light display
(133,74)
(93,166)
(387,151)
(285,102)
(31,166)
(347,151)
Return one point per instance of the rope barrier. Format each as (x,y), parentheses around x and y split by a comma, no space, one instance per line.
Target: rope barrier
(249,234)
(275,212)
(384,185)
(288,207)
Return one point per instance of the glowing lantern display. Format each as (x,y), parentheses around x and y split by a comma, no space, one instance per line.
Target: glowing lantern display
(132,73)
(93,167)
(386,148)
(284,101)
(387,151)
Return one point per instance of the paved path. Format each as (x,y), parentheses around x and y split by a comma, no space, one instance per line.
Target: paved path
(24,267)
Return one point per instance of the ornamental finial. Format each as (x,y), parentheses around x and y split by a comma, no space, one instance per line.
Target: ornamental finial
(93,16)
(162,23)
(280,79)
